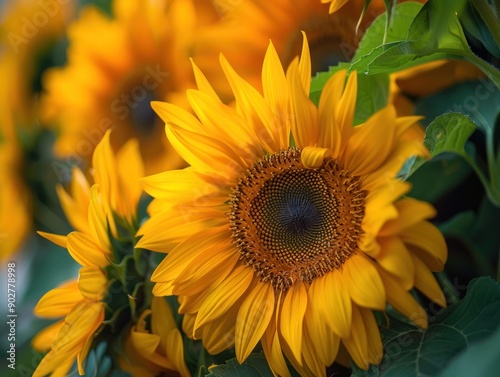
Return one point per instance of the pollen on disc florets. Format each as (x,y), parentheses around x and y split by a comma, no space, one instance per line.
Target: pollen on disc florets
(290,222)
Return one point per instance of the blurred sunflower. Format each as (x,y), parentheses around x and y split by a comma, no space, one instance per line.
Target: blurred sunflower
(29,34)
(247,27)
(15,199)
(290,227)
(426,79)
(116,66)
(97,306)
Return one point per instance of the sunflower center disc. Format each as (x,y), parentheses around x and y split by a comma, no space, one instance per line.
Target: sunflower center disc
(290,222)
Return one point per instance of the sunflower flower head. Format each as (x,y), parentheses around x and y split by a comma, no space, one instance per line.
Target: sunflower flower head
(116,66)
(112,289)
(290,226)
(247,27)
(27,39)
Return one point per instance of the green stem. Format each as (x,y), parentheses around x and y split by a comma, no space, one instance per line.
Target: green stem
(498,266)
(448,288)
(493,195)
(491,71)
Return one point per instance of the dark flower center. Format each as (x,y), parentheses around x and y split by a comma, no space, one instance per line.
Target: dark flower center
(290,222)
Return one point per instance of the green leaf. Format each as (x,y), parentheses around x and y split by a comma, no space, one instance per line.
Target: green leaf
(413,352)
(445,172)
(480,21)
(479,100)
(403,15)
(434,34)
(254,365)
(372,96)
(466,364)
(476,231)
(447,133)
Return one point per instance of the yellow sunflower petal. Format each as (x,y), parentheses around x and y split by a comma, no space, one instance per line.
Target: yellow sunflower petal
(305,64)
(335,4)
(325,341)
(272,350)
(311,358)
(100,219)
(43,340)
(92,282)
(292,317)
(347,104)
(192,304)
(175,352)
(225,295)
(204,152)
(180,186)
(427,242)
(83,320)
(394,162)
(410,212)
(380,208)
(130,170)
(162,319)
(163,233)
(403,301)
(305,128)
(253,318)
(82,355)
(369,146)
(254,109)
(174,114)
(330,131)
(357,343)
(334,302)
(146,343)
(59,301)
(395,258)
(54,238)
(85,251)
(426,283)
(76,206)
(202,83)
(363,282)
(219,335)
(195,278)
(276,94)
(312,157)
(375,351)
(192,249)
(62,370)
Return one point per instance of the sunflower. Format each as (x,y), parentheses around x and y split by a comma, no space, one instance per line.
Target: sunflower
(27,38)
(83,302)
(290,226)
(427,79)
(247,27)
(151,351)
(115,68)
(15,200)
